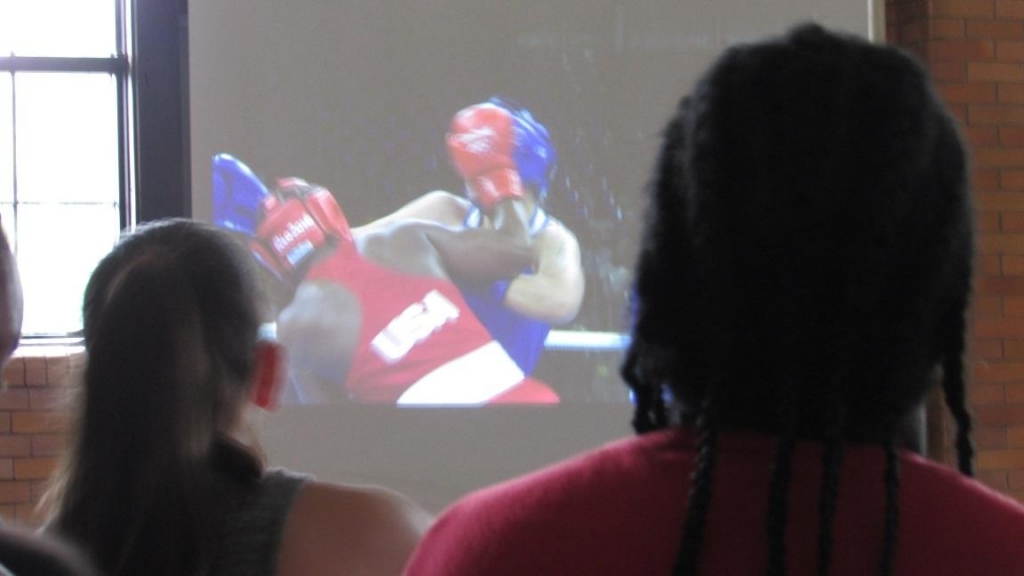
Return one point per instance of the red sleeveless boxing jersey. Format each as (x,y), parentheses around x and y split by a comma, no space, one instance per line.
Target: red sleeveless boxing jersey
(419,342)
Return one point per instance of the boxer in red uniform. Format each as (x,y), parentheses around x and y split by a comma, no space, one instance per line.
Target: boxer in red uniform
(378,318)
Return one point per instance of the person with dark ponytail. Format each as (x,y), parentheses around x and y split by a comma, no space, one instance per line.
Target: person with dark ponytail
(802,286)
(159,478)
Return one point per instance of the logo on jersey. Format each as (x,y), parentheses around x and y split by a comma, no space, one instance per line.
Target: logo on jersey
(414,325)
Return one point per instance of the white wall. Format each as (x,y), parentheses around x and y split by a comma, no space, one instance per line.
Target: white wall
(283,84)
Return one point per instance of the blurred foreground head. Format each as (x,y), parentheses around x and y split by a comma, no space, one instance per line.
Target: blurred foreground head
(807,258)
(171,320)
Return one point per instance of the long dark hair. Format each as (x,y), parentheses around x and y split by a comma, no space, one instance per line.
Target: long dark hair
(171,322)
(806,265)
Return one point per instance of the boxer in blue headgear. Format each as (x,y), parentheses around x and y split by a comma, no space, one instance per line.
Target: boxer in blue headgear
(507,159)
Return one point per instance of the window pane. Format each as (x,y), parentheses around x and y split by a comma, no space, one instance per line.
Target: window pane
(66,137)
(58,27)
(58,247)
(6,140)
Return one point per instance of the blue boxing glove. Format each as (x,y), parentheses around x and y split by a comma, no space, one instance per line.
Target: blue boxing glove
(238,195)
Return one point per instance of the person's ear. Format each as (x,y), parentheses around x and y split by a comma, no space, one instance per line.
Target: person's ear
(269,376)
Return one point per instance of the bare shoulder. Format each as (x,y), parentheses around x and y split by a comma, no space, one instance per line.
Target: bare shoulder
(354,530)
(555,232)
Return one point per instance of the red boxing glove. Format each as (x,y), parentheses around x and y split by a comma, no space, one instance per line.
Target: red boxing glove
(299,221)
(480,144)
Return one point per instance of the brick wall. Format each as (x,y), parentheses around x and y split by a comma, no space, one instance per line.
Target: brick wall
(975,51)
(33,421)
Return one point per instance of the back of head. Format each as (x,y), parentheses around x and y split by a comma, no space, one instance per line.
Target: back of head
(806,264)
(171,322)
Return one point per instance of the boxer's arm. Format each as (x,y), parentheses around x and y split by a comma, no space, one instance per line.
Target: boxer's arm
(554,292)
(320,329)
(479,254)
(438,206)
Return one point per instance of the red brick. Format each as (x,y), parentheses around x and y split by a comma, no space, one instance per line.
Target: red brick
(1011,180)
(981,394)
(1009,459)
(1010,9)
(1013,349)
(986,306)
(58,369)
(989,222)
(1013,392)
(1015,480)
(48,398)
(28,514)
(994,479)
(947,28)
(994,114)
(977,93)
(1002,244)
(994,200)
(995,372)
(34,468)
(38,422)
(1002,157)
(5,422)
(1013,305)
(1012,265)
(1010,50)
(14,492)
(38,488)
(958,112)
(981,136)
(985,179)
(15,445)
(1004,286)
(948,71)
(6,469)
(961,50)
(999,415)
(913,32)
(48,444)
(967,8)
(994,29)
(995,327)
(988,349)
(989,438)
(994,72)
(14,372)
(990,265)
(1010,94)
(1011,136)
(35,371)
(14,399)
(1008,222)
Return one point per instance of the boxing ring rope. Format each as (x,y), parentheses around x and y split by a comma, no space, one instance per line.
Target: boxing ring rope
(586,341)
(573,340)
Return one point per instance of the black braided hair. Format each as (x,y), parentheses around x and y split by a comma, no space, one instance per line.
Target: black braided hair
(953,388)
(892,508)
(831,465)
(778,504)
(806,264)
(700,494)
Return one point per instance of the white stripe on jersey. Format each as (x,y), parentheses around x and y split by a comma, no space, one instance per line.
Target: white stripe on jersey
(469,380)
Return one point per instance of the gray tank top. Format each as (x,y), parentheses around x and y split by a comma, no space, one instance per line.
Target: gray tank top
(253,529)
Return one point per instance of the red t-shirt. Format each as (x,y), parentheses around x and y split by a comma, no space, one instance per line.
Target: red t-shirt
(619,510)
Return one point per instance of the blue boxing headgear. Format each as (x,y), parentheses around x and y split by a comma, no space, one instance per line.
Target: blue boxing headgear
(534,153)
(237,195)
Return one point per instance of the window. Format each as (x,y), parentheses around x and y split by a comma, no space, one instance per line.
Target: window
(64,147)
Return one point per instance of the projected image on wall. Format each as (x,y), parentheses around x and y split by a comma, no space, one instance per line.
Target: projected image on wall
(452,299)
(447,196)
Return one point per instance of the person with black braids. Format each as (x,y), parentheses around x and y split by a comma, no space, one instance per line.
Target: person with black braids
(801,287)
